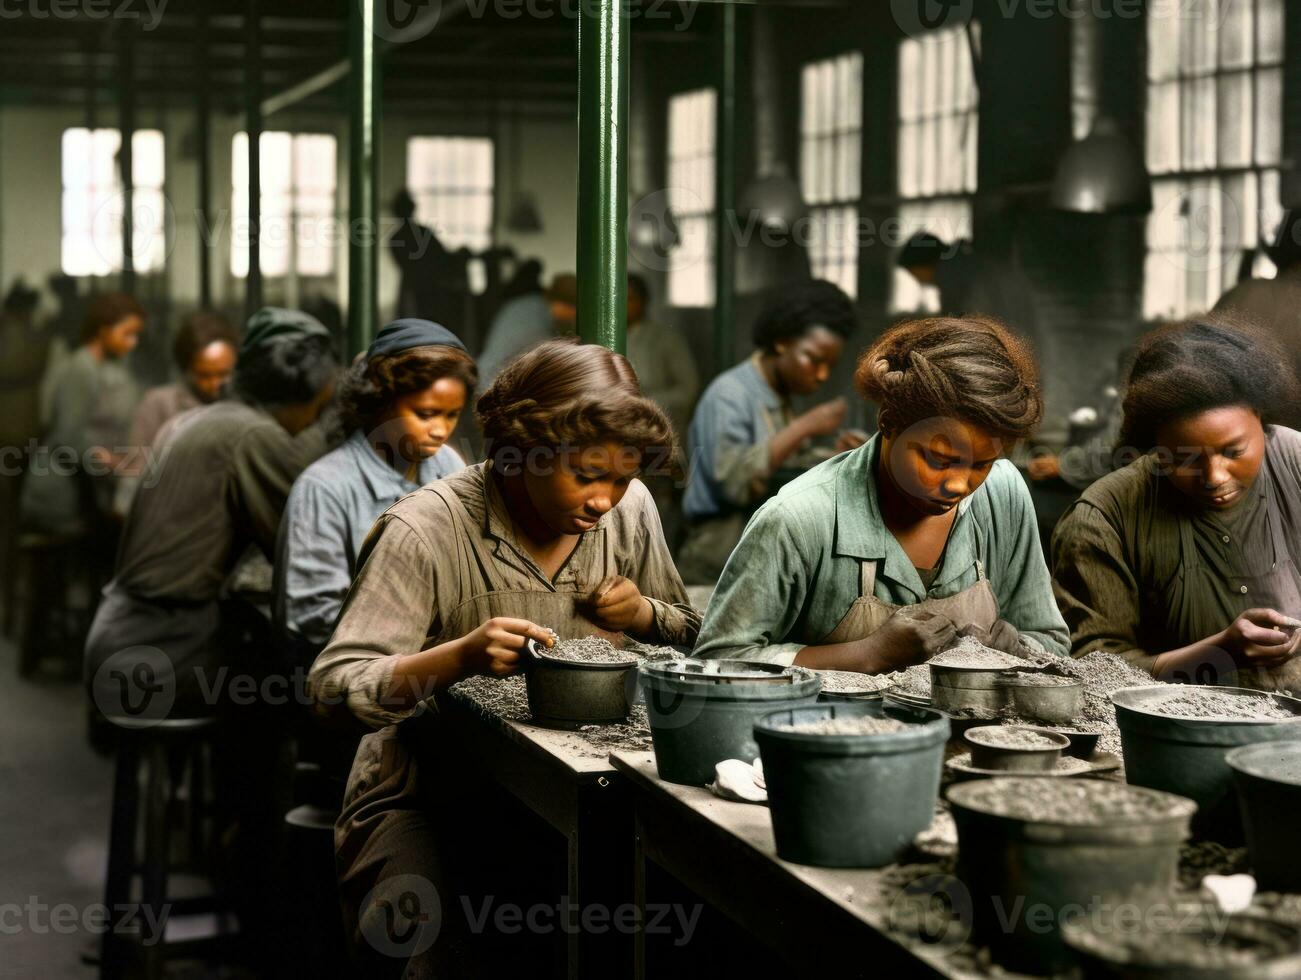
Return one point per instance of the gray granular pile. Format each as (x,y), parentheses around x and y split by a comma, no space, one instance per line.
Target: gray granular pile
(1011,738)
(975,655)
(590,650)
(1212,705)
(852,682)
(1067,765)
(1208,857)
(847,726)
(1068,801)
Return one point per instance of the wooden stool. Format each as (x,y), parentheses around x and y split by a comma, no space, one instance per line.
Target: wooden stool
(171,755)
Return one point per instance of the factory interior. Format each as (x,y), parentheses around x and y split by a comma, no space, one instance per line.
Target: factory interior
(650,488)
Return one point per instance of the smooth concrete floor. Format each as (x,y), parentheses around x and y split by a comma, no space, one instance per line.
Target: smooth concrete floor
(55,796)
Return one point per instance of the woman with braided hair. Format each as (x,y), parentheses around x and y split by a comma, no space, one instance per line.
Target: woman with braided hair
(553,536)
(880,557)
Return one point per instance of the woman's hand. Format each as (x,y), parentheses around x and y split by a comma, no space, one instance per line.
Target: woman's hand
(494,648)
(908,638)
(1001,636)
(1262,638)
(617,605)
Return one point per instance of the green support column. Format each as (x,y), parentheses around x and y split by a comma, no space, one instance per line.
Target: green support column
(725,193)
(253,95)
(603,174)
(203,151)
(363,181)
(126,107)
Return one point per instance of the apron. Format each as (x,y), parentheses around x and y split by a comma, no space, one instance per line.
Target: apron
(1277,588)
(976,605)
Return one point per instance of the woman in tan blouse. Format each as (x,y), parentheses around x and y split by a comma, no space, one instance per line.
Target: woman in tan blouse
(1185,561)
(553,533)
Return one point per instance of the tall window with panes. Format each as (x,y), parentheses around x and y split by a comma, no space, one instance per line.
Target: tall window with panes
(691,163)
(297,231)
(938,128)
(831,146)
(93,202)
(451,178)
(1214,146)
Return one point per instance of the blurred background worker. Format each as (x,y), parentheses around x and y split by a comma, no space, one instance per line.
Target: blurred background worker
(745,439)
(205,351)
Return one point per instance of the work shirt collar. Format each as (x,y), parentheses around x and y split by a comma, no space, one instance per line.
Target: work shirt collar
(381,480)
(861,532)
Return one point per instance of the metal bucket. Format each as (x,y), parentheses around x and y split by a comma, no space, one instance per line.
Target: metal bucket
(568,693)
(1056,704)
(1268,780)
(1187,755)
(851,801)
(967,689)
(701,714)
(1008,759)
(1023,875)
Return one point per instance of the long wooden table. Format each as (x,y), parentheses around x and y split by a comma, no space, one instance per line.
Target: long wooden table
(817,919)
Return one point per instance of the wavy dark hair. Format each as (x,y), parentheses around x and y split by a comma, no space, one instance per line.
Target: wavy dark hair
(288,371)
(792,310)
(197,331)
(370,386)
(108,310)
(970,368)
(1209,362)
(563,393)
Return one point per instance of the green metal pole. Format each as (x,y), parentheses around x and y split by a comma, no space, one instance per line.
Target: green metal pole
(126,131)
(203,150)
(603,174)
(253,125)
(725,193)
(363,184)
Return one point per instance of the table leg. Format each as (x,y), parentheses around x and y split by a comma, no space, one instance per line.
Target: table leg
(600,944)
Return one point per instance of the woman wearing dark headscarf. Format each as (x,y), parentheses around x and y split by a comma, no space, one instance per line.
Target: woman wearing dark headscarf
(878,558)
(403,401)
(1185,561)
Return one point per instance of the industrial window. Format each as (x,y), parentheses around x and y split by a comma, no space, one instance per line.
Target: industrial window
(297,231)
(451,178)
(1214,143)
(92,202)
(691,196)
(831,141)
(938,126)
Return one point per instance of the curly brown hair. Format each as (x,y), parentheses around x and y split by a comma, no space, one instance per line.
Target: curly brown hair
(108,310)
(371,386)
(1184,369)
(970,368)
(563,393)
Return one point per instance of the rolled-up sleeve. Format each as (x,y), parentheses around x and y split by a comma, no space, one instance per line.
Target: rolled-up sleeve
(1095,589)
(760,594)
(388,613)
(313,563)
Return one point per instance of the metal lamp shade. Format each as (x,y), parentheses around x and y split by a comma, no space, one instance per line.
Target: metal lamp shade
(1102,174)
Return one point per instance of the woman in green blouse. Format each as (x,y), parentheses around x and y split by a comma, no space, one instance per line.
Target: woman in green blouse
(878,558)
(1185,561)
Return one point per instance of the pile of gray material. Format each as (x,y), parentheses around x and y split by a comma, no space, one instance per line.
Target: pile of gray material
(590,650)
(1007,737)
(973,654)
(1069,801)
(1028,678)
(1205,703)
(852,682)
(865,725)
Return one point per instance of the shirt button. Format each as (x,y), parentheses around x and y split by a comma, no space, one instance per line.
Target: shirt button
(1242,589)
(1225,539)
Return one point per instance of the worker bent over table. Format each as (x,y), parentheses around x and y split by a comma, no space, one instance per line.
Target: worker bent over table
(880,557)
(552,533)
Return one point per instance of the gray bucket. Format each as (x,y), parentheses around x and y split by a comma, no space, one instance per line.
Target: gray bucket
(851,801)
(566,693)
(702,712)
(1025,876)
(1186,756)
(1268,780)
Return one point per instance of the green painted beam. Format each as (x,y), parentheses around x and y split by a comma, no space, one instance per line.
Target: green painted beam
(253,126)
(363,176)
(603,174)
(725,193)
(126,125)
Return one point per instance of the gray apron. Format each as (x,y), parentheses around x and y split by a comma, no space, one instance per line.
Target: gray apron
(976,606)
(1278,587)
(388,826)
